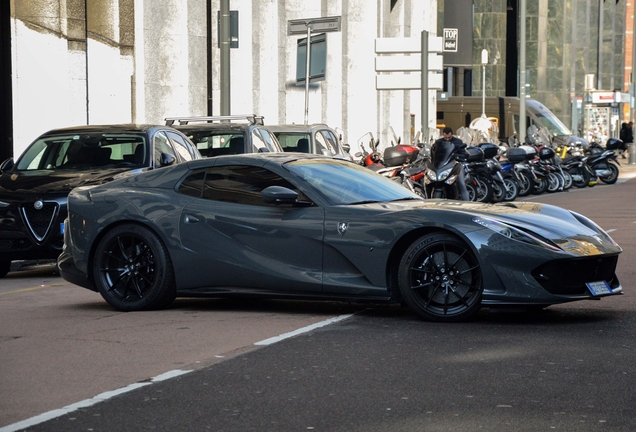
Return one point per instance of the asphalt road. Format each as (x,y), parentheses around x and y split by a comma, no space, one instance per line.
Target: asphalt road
(569,367)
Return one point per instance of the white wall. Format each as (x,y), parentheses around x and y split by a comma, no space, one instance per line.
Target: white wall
(167,73)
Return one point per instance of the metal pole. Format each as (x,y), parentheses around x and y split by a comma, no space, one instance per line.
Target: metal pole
(632,117)
(484,61)
(599,58)
(307,73)
(225,57)
(424,87)
(522,71)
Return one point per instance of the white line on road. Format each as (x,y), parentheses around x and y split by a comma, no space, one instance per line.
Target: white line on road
(87,402)
(41,418)
(302,330)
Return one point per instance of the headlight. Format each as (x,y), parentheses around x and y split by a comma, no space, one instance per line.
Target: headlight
(431,175)
(514,233)
(593,226)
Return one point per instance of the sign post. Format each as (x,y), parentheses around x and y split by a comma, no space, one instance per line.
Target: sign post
(309,26)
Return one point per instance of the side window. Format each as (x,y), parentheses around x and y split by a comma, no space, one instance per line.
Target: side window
(162,145)
(181,146)
(243,185)
(257,141)
(270,140)
(192,185)
(322,147)
(331,141)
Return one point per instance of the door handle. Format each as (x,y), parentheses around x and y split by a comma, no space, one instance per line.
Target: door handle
(191,219)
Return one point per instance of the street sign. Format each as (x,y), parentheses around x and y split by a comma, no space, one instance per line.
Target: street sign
(318,25)
(412,63)
(411,81)
(406,45)
(450,39)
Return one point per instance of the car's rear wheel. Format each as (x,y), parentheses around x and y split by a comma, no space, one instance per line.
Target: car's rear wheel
(5,266)
(132,269)
(440,278)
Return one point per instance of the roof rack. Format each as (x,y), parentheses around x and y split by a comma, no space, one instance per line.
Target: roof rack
(252,118)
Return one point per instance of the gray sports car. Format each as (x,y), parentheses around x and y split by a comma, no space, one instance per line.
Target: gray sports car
(293,225)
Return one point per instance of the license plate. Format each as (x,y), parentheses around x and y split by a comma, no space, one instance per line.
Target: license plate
(62,227)
(599,288)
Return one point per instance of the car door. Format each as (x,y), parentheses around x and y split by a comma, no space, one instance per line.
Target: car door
(238,241)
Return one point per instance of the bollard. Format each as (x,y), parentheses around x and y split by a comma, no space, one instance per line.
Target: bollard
(631,148)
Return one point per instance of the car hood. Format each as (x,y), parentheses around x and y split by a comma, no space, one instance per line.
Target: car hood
(570,231)
(58,181)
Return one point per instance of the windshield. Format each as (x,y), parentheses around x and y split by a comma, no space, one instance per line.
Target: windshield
(342,182)
(83,151)
(294,141)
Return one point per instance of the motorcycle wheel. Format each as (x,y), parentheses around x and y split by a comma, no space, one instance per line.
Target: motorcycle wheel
(512,189)
(498,192)
(484,190)
(472,191)
(553,182)
(419,190)
(582,175)
(540,186)
(567,180)
(527,183)
(610,179)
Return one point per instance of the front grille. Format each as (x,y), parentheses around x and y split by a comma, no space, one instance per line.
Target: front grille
(39,222)
(568,277)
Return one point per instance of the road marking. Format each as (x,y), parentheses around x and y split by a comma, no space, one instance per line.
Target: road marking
(32,289)
(302,330)
(88,402)
(41,418)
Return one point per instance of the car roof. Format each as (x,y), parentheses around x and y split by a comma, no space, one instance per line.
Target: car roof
(230,127)
(255,158)
(111,128)
(297,127)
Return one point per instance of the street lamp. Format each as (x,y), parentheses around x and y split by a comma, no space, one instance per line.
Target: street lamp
(484,62)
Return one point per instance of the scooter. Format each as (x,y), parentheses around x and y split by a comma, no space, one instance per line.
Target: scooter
(442,171)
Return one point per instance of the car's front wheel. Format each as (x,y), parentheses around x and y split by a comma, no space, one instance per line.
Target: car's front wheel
(132,269)
(440,278)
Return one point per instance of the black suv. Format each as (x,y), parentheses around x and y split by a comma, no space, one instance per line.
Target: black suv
(314,138)
(221,135)
(33,189)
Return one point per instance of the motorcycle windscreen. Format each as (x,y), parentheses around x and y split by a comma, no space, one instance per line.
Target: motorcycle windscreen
(441,153)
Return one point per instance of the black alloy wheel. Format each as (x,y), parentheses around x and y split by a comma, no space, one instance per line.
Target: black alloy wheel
(440,278)
(132,269)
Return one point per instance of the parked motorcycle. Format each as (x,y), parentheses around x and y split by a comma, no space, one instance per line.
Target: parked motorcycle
(600,161)
(442,171)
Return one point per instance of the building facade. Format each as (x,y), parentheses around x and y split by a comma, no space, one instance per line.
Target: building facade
(78,62)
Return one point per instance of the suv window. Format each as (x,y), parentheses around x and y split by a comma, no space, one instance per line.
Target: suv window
(162,145)
(211,143)
(323,146)
(235,184)
(289,141)
(180,145)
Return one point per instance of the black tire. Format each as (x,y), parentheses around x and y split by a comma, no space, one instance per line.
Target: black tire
(132,269)
(419,190)
(512,189)
(567,178)
(540,185)
(440,278)
(472,191)
(5,266)
(484,190)
(610,179)
(498,192)
(527,183)
(554,183)
(583,177)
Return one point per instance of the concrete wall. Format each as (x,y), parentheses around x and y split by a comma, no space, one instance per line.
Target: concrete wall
(118,61)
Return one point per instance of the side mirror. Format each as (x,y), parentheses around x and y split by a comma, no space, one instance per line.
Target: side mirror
(7,165)
(346,148)
(263,150)
(279,195)
(167,159)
